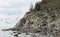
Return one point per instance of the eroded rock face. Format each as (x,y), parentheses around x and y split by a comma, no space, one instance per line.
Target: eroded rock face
(43,22)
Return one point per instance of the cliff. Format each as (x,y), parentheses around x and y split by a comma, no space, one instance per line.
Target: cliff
(45,20)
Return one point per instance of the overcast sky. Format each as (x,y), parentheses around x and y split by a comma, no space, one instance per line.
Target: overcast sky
(12,10)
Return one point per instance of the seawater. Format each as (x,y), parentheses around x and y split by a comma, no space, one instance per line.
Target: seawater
(6,34)
(10,34)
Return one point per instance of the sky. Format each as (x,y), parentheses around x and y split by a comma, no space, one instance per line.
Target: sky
(11,11)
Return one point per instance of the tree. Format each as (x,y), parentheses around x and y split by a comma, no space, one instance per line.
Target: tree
(37,6)
(31,8)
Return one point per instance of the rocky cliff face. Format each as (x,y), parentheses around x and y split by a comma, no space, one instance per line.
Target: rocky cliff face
(45,21)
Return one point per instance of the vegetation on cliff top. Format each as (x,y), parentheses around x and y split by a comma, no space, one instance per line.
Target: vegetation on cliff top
(47,5)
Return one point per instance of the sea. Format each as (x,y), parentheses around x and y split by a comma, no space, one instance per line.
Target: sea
(10,34)
(6,34)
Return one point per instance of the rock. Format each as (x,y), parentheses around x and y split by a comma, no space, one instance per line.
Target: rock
(44,24)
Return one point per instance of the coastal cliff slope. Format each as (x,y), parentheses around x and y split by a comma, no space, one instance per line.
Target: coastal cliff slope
(44,18)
